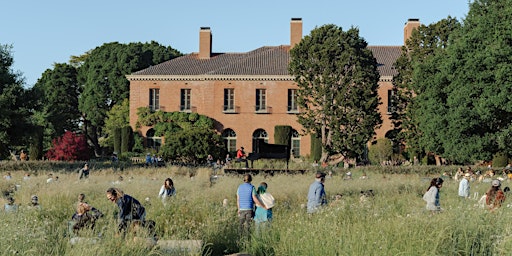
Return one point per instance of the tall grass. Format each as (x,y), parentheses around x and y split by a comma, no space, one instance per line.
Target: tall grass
(394,222)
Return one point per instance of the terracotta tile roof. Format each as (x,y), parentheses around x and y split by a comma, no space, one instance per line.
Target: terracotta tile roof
(264,61)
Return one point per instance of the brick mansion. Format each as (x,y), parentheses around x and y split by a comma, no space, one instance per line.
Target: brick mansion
(247,94)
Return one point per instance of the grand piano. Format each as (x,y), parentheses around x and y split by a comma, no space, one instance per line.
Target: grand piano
(261,149)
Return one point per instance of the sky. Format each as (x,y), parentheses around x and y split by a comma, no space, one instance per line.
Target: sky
(42,33)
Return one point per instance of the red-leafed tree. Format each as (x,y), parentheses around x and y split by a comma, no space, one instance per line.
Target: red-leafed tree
(69,147)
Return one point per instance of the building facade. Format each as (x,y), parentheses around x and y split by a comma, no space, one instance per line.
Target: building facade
(247,94)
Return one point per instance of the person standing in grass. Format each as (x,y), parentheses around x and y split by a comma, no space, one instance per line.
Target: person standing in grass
(316,195)
(10,206)
(432,195)
(167,190)
(246,199)
(495,196)
(464,186)
(130,209)
(261,214)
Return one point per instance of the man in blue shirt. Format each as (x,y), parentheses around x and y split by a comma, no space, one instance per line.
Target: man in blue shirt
(316,194)
(246,199)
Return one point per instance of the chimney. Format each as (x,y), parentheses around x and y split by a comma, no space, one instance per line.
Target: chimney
(295,31)
(410,25)
(205,43)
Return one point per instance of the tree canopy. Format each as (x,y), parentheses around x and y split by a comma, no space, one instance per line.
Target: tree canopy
(338,79)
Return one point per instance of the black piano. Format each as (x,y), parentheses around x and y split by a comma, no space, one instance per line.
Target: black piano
(261,149)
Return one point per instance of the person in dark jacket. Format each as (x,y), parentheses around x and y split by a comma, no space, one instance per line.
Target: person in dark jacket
(130,209)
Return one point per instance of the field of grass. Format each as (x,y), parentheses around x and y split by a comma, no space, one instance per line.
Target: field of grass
(394,222)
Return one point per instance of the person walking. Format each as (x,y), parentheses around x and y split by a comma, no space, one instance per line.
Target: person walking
(246,199)
(316,195)
(464,186)
(130,209)
(494,196)
(432,195)
(167,190)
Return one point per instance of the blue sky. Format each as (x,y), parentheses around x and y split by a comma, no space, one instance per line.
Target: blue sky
(46,32)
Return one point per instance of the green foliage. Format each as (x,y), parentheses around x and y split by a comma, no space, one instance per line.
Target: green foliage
(126,139)
(103,77)
(282,134)
(381,151)
(500,159)
(192,145)
(338,79)
(117,117)
(36,144)
(15,105)
(57,93)
(138,143)
(316,148)
(117,140)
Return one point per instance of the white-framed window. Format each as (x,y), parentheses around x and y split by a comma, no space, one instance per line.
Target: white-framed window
(229,137)
(229,100)
(260,134)
(261,100)
(292,101)
(154,99)
(185,100)
(152,141)
(295,143)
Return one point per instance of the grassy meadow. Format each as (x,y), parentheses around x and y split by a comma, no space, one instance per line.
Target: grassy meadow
(394,222)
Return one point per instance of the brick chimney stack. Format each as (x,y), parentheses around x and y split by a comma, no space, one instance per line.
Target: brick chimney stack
(410,25)
(295,31)
(205,43)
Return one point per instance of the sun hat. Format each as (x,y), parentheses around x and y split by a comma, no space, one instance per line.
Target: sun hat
(496,183)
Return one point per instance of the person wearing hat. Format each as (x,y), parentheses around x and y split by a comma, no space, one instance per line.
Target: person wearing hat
(34,202)
(495,196)
(316,194)
(464,186)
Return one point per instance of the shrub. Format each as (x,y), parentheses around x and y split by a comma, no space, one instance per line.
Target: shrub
(69,147)
(500,159)
(282,134)
(380,151)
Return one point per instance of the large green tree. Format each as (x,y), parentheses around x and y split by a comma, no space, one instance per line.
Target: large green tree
(420,98)
(478,66)
(14,105)
(102,73)
(338,79)
(58,92)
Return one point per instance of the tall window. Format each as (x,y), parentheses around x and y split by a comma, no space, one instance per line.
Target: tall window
(391,101)
(295,143)
(185,100)
(261,100)
(229,100)
(152,141)
(260,134)
(229,137)
(292,101)
(154,99)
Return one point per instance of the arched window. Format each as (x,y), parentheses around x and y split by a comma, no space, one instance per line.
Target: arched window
(152,141)
(260,134)
(229,137)
(295,143)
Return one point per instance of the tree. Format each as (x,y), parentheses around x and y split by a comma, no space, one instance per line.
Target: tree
(283,135)
(337,78)
(381,151)
(14,105)
(117,118)
(58,92)
(479,70)
(102,73)
(70,147)
(419,99)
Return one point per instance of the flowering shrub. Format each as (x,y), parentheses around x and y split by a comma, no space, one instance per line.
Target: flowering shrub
(71,146)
